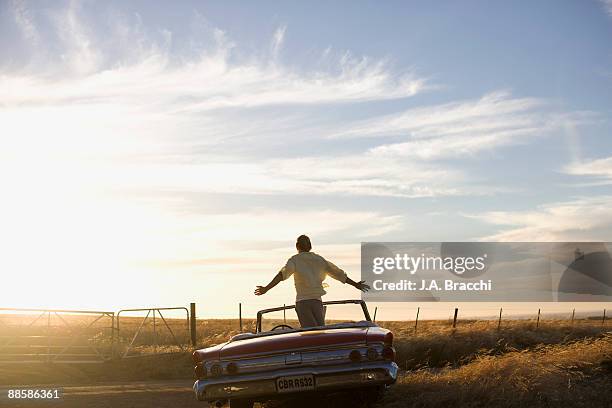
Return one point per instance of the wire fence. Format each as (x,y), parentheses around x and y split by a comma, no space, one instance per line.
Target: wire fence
(498,317)
(28,335)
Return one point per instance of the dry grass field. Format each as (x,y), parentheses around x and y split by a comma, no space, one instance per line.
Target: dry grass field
(474,365)
(576,374)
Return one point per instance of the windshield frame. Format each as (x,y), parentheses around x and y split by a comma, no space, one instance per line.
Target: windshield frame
(362,303)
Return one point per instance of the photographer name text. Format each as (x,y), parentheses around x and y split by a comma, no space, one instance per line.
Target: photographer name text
(433,284)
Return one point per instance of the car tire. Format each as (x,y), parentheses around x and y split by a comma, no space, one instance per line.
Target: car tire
(240,403)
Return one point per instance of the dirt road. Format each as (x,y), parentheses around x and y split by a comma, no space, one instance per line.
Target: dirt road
(150,394)
(143,394)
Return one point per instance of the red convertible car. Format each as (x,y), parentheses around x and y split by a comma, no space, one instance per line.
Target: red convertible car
(286,362)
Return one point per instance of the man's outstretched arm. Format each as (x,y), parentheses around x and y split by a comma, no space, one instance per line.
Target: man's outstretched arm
(361,285)
(339,274)
(260,290)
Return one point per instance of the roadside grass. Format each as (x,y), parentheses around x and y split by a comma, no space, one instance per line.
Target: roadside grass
(437,344)
(575,374)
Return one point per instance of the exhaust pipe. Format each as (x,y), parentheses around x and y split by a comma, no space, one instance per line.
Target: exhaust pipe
(218,403)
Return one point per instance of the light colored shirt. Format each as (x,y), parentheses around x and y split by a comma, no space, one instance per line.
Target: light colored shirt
(309,271)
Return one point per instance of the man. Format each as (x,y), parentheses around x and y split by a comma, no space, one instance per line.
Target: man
(309,270)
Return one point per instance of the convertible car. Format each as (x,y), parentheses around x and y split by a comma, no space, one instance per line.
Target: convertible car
(286,362)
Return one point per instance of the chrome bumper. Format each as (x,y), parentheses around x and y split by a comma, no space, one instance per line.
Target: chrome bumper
(327,378)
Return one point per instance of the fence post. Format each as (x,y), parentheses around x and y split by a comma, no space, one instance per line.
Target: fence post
(284,314)
(48,336)
(416,322)
(538,321)
(192,323)
(603,320)
(112,346)
(375,310)
(455,318)
(154,333)
(573,314)
(240,315)
(499,321)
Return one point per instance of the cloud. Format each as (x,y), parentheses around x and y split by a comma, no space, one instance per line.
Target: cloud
(210,82)
(463,128)
(159,122)
(607,5)
(211,120)
(366,175)
(24,22)
(127,65)
(135,230)
(600,169)
(197,241)
(311,176)
(583,219)
(80,53)
(277,41)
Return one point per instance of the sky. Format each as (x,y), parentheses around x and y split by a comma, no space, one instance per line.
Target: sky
(155,153)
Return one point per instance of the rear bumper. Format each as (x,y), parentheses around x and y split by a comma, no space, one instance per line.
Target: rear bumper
(329,378)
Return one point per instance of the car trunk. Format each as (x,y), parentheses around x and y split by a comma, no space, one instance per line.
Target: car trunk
(284,342)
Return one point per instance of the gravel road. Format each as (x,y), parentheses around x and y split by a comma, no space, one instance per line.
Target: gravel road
(149,394)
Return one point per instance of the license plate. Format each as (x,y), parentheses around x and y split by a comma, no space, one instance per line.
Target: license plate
(295,383)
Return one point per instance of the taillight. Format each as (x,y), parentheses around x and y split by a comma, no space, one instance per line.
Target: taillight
(372,354)
(389,339)
(355,356)
(200,371)
(388,353)
(216,370)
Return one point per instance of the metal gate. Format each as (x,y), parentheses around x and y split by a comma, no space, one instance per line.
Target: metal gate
(52,335)
(154,330)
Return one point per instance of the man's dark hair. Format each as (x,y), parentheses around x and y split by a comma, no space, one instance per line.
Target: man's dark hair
(303,243)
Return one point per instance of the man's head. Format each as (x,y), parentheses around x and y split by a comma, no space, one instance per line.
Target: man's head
(303,244)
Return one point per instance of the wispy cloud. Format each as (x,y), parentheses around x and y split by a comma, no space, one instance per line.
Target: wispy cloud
(212,76)
(210,81)
(607,5)
(159,122)
(277,41)
(24,22)
(463,128)
(171,118)
(367,174)
(599,169)
(80,53)
(258,240)
(161,230)
(311,176)
(582,219)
